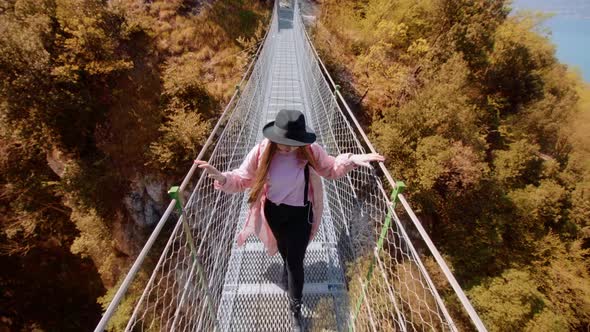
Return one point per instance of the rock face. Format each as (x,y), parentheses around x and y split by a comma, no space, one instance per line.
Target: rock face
(146,201)
(57,161)
(127,237)
(309,11)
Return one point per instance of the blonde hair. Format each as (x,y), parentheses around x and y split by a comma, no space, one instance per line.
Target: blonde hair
(303,153)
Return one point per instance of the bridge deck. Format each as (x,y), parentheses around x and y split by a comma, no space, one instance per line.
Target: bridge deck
(253,298)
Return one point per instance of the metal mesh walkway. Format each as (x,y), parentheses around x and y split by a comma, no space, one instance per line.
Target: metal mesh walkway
(362,271)
(253,299)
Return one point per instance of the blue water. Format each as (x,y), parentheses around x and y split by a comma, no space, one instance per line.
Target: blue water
(570,29)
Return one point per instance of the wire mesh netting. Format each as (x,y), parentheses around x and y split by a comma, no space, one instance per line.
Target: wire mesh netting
(399,295)
(203,281)
(184,291)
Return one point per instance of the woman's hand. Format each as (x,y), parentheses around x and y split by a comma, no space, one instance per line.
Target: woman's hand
(365,159)
(212,171)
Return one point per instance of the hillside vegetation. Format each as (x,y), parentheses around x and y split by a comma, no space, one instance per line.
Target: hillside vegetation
(103,104)
(490,133)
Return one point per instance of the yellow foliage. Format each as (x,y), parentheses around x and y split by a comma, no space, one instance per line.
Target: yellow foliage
(507,302)
(95,241)
(539,209)
(399,288)
(448,166)
(418,48)
(182,137)
(119,320)
(517,165)
(562,271)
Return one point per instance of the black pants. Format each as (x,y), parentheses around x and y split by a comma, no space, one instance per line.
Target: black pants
(291,228)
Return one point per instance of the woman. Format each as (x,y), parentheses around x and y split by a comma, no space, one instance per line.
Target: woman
(286,196)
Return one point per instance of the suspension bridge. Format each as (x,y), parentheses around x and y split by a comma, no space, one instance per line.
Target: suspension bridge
(363,271)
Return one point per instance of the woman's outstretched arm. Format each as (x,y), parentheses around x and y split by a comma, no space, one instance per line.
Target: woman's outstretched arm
(236,180)
(335,167)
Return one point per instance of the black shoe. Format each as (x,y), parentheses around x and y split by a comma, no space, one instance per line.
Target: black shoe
(296,318)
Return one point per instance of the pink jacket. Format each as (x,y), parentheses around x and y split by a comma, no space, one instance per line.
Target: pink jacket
(240,179)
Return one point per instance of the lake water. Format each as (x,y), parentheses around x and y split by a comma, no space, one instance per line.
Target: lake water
(570,29)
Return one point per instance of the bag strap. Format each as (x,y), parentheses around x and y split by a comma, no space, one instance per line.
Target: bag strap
(306,173)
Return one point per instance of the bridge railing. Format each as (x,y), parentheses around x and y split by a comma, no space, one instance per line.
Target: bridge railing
(389,285)
(184,289)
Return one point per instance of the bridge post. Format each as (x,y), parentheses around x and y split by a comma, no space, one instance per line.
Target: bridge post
(175,194)
(400,186)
